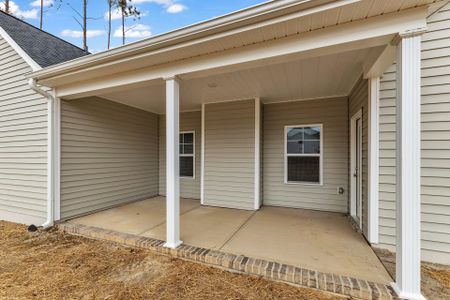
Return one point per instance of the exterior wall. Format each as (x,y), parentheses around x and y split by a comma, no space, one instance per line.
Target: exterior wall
(109,155)
(335,154)
(23,143)
(189,187)
(435,144)
(230,154)
(359,99)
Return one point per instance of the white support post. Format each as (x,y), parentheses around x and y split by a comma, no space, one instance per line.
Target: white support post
(374,99)
(172,163)
(407,283)
(257,154)
(202,160)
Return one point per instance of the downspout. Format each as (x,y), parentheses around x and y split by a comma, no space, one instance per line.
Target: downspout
(51,143)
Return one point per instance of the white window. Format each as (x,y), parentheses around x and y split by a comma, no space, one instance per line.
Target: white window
(303,154)
(187,154)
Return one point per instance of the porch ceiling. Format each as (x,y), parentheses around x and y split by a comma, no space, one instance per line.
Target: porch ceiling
(318,77)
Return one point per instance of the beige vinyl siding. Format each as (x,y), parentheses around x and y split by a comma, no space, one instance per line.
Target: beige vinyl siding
(333,114)
(189,187)
(109,155)
(435,144)
(23,143)
(230,154)
(387,157)
(358,99)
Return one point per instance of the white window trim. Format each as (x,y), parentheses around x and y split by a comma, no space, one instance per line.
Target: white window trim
(190,155)
(320,183)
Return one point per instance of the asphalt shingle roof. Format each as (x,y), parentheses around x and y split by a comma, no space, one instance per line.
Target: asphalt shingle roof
(45,49)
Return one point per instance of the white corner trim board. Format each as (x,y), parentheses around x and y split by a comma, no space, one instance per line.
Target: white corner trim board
(34,66)
(374,104)
(408,107)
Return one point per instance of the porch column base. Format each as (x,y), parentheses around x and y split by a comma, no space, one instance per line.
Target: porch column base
(405,295)
(173,245)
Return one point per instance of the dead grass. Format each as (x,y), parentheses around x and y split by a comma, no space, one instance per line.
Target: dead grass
(435,278)
(53,265)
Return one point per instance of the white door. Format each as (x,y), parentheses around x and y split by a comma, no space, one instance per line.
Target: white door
(356,167)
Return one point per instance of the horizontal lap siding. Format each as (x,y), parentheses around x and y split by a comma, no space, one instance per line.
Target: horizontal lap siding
(109,155)
(358,99)
(333,114)
(189,187)
(23,143)
(230,154)
(435,190)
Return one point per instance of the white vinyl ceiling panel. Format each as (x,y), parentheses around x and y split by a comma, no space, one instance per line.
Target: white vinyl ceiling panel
(326,76)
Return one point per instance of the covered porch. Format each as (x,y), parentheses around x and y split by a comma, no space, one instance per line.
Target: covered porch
(320,241)
(262,120)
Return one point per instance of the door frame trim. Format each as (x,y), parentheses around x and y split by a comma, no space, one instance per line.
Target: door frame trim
(353,212)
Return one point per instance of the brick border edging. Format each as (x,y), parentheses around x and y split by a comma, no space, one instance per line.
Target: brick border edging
(333,283)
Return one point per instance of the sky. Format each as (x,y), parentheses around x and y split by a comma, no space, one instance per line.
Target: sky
(157,16)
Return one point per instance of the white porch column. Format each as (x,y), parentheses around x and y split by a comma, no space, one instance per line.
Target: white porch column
(407,283)
(172,163)
(374,104)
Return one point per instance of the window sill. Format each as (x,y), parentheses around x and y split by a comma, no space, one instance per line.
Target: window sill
(303,183)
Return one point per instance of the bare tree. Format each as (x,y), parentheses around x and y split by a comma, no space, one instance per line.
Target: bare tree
(56,3)
(41,14)
(85,47)
(7,6)
(111,3)
(127,10)
(81,19)
(123,5)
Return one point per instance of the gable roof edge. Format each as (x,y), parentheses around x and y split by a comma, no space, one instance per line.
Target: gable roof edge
(34,66)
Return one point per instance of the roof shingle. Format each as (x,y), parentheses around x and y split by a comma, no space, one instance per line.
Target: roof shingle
(45,49)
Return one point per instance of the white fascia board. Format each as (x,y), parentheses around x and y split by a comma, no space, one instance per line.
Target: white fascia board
(240,21)
(34,66)
(365,33)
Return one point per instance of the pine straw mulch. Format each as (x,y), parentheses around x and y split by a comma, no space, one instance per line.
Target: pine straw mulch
(435,278)
(54,265)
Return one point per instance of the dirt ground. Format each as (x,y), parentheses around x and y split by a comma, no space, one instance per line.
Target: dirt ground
(435,278)
(53,265)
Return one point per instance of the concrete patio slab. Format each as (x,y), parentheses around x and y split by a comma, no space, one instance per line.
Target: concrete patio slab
(136,217)
(316,240)
(206,227)
(321,241)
